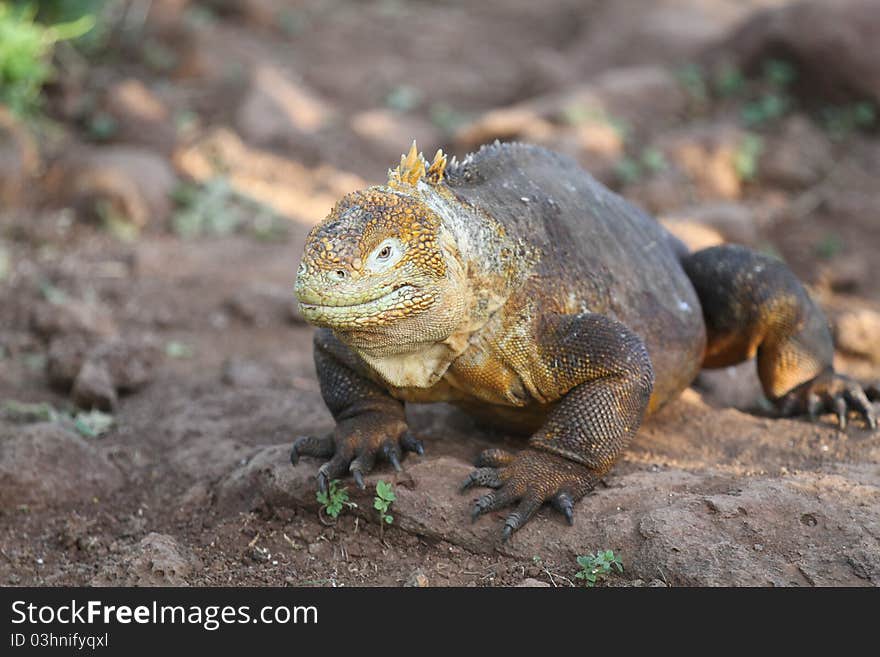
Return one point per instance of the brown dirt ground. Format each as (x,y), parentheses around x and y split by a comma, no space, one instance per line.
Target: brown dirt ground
(192,485)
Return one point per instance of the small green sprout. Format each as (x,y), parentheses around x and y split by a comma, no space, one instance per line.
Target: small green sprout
(747,155)
(729,81)
(693,78)
(779,72)
(93,424)
(595,567)
(175,349)
(384,497)
(334,499)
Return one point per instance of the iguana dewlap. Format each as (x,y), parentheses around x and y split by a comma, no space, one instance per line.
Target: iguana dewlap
(518,287)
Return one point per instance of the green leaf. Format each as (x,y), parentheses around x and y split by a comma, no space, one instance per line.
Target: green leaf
(389,519)
(93,424)
(384,491)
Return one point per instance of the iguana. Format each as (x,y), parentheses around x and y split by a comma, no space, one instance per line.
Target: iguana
(518,287)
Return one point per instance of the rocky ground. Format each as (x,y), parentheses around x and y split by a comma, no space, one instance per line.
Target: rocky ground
(153,221)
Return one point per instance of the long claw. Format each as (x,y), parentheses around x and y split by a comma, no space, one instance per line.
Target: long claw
(565,505)
(526,509)
(412,444)
(294,456)
(840,410)
(814,406)
(358,478)
(395,462)
(323,479)
(489,502)
(860,401)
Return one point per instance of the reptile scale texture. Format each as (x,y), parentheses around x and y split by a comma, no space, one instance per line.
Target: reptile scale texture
(516,286)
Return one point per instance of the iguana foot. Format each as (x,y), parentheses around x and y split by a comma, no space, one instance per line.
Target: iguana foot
(835,393)
(355,445)
(531,477)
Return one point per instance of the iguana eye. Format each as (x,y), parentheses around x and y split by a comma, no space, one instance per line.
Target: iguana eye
(385,255)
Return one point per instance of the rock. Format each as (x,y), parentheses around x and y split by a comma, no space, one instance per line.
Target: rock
(71,317)
(531,582)
(99,369)
(846,272)
(696,236)
(736,386)
(590,115)
(140,117)
(157,560)
(263,305)
(833,44)
(665,33)
(44,465)
(243,373)
(797,156)
(858,332)
(67,354)
(93,387)
(132,183)
(388,133)
(417,579)
(707,157)
(130,361)
(733,222)
(268,478)
(278,110)
(288,187)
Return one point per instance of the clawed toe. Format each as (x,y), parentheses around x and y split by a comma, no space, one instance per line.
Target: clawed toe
(832,393)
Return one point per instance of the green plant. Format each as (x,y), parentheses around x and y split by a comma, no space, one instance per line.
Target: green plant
(632,169)
(404,98)
(693,78)
(747,155)
(215,208)
(829,246)
(25,53)
(765,108)
(595,567)
(16,411)
(382,502)
(841,121)
(729,81)
(175,349)
(334,499)
(93,424)
(778,72)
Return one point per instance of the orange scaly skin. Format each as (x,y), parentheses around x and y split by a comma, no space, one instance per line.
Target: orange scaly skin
(516,286)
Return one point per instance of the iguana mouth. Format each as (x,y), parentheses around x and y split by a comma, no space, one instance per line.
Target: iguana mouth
(339,303)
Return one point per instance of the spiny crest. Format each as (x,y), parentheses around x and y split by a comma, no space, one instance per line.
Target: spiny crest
(414,167)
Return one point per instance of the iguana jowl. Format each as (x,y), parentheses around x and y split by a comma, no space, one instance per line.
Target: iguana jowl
(518,287)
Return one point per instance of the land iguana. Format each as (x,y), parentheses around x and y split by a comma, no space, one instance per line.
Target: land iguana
(515,285)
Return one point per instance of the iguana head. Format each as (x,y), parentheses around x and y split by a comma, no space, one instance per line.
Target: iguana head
(379,270)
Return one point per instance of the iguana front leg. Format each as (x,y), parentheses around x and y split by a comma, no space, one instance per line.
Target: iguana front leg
(601,374)
(369,422)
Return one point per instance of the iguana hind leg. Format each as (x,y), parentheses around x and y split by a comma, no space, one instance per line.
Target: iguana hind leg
(753,305)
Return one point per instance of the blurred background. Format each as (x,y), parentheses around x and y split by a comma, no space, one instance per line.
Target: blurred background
(162,160)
